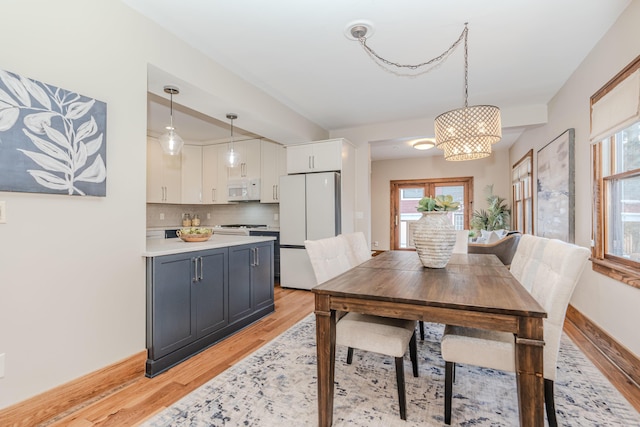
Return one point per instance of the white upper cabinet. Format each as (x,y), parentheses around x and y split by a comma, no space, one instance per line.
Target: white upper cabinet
(164,175)
(192,174)
(249,166)
(214,174)
(315,157)
(274,161)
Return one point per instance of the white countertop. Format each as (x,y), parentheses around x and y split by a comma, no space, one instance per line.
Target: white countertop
(158,247)
(177,227)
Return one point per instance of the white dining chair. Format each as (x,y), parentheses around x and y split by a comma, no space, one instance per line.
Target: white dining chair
(376,334)
(358,250)
(549,270)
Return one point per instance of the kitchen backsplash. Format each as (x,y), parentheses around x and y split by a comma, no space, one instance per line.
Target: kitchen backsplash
(240,213)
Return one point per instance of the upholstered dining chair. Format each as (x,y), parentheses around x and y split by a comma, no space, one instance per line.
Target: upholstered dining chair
(549,270)
(358,250)
(504,248)
(377,334)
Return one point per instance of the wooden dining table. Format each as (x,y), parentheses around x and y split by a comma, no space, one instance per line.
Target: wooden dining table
(474,290)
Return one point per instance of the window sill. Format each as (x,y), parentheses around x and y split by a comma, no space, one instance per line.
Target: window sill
(617,271)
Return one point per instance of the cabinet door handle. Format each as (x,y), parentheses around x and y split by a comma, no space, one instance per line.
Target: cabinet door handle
(201,270)
(273,192)
(213,194)
(195,270)
(314,161)
(256,259)
(310,167)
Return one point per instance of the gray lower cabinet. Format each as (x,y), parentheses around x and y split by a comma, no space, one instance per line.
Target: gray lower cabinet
(198,298)
(276,247)
(251,279)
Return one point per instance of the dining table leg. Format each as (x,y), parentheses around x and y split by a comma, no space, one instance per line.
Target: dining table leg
(530,371)
(326,355)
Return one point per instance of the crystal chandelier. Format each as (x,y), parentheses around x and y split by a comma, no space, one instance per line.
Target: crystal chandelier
(170,141)
(463,134)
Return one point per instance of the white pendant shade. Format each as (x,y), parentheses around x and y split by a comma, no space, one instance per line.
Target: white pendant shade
(171,142)
(468,133)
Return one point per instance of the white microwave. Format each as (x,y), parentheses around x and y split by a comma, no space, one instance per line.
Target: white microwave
(243,190)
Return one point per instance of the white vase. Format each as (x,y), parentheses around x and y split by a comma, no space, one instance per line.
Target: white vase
(434,238)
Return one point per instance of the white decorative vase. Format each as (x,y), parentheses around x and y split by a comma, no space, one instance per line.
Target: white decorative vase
(434,238)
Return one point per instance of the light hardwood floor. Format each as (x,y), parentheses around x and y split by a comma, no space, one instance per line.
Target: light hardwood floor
(144,397)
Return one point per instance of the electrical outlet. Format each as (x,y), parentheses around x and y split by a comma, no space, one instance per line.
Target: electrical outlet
(3,212)
(375,244)
(161,216)
(2,357)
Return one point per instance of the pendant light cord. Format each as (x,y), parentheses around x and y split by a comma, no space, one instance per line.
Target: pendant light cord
(442,56)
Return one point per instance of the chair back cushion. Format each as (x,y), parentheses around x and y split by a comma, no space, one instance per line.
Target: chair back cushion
(462,242)
(549,269)
(357,248)
(328,257)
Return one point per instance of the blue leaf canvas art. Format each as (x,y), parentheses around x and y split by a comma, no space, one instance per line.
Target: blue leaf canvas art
(52,140)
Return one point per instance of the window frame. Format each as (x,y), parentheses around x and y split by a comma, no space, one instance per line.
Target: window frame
(617,268)
(518,194)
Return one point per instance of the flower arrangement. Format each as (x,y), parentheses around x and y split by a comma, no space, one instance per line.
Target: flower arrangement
(438,203)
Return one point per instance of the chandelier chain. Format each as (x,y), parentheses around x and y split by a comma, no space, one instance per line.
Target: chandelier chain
(466,67)
(463,36)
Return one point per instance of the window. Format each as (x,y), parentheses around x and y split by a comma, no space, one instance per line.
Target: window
(616,174)
(522,194)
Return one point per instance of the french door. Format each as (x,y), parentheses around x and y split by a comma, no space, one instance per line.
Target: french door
(406,194)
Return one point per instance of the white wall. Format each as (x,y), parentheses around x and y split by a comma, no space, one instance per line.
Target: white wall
(610,304)
(493,170)
(72,281)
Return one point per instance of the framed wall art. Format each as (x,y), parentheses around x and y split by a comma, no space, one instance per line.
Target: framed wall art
(556,189)
(52,140)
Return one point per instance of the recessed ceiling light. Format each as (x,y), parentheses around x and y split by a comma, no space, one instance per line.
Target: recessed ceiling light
(423,144)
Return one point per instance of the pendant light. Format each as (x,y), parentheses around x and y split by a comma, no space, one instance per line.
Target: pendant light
(464,134)
(233,158)
(170,141)
(469,132)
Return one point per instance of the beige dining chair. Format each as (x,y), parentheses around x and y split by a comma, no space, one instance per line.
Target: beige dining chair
(504,249)
(358,250)
(383,335)
(549,270)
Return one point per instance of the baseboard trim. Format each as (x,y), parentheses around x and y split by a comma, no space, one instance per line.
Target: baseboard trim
(622,359)
(65,397)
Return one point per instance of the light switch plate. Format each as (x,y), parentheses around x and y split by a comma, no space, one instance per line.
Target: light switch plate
(3,212)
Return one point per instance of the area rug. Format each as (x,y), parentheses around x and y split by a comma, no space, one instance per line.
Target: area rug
(276,386)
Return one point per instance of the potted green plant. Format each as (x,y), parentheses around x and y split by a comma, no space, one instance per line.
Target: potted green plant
(495,217)
(433,234)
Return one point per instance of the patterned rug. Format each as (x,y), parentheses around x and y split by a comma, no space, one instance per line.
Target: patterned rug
(276,386)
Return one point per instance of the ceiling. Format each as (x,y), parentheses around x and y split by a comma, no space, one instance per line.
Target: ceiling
(520,55)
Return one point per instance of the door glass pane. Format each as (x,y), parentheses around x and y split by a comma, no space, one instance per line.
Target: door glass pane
(408,203)
(457,191)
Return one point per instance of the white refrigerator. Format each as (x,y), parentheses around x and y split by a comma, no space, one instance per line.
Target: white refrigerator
(309,210)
